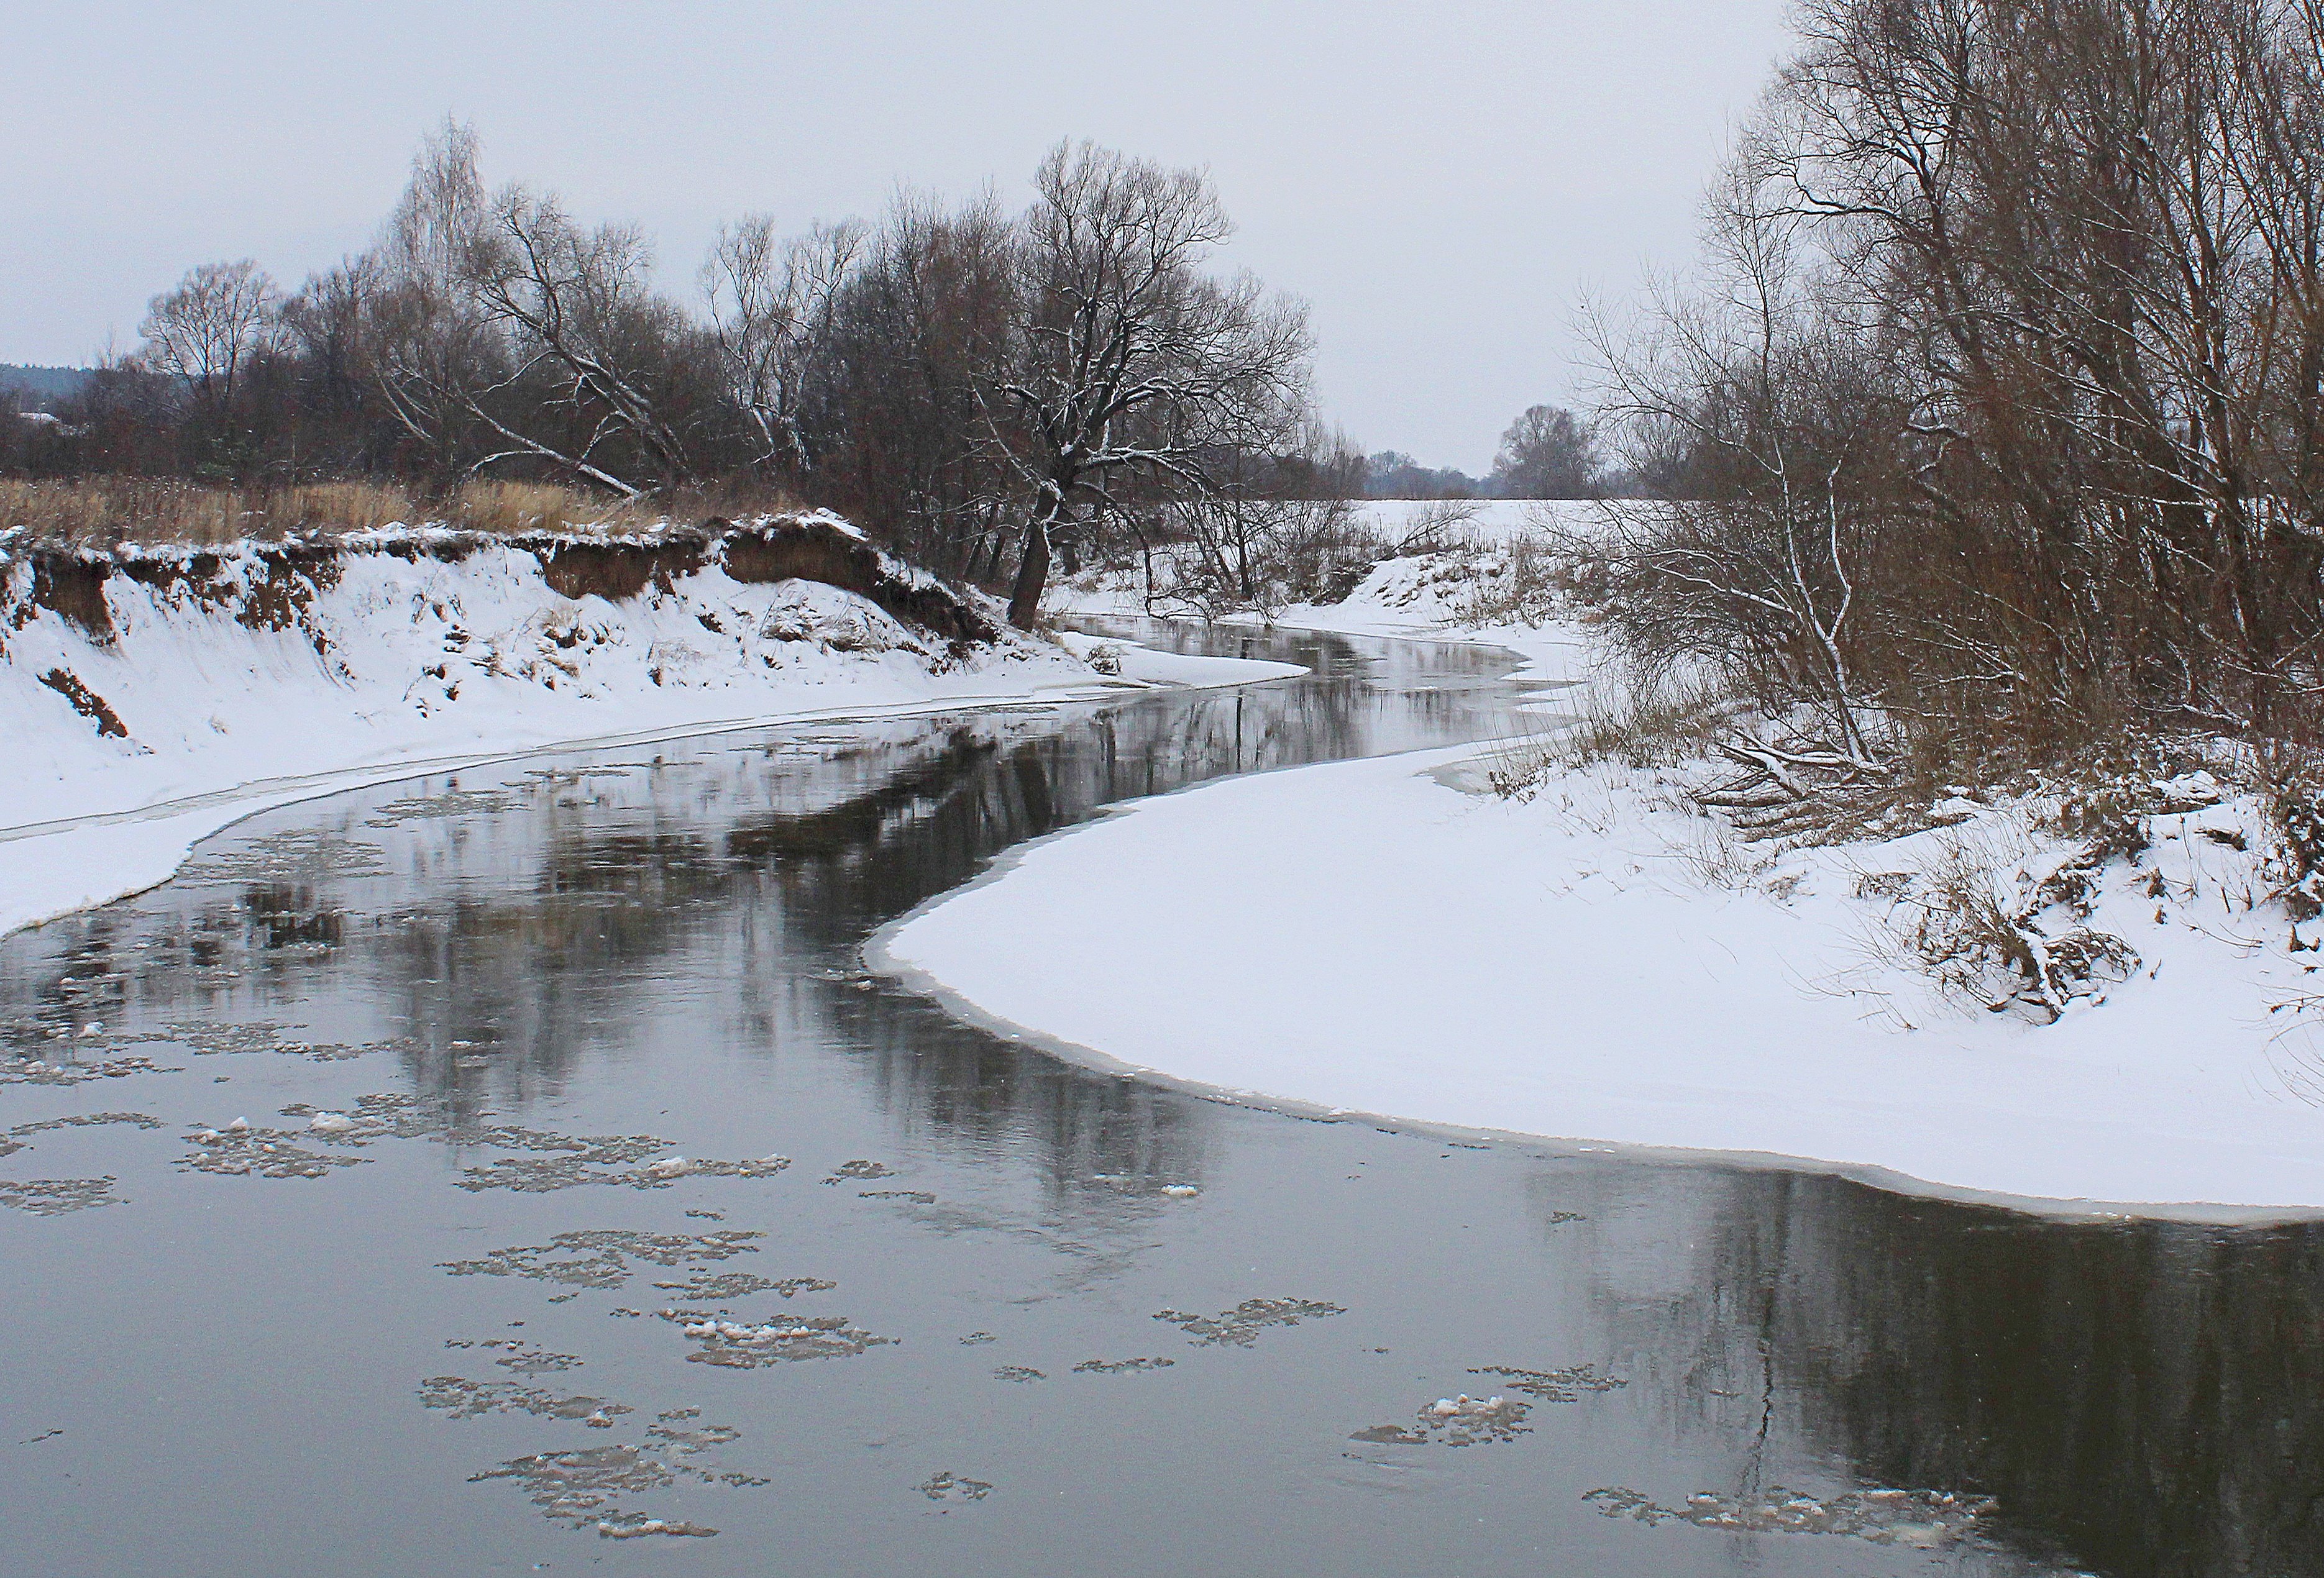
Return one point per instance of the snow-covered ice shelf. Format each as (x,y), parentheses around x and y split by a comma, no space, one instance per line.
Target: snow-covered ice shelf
(1363,936)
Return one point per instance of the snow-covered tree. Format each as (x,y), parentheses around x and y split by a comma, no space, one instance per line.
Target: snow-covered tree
(1127,361)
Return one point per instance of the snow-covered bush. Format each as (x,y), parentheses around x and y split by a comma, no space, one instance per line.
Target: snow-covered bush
(2000,921)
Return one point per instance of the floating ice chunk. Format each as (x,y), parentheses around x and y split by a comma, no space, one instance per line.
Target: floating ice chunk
(239,1126)
(330,1123)
(94,1027)
(1181,1191)
(669,1166)
(1464,1407)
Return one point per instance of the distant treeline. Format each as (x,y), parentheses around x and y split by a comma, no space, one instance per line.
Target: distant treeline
(41,388)
(978,386)
(1547,453)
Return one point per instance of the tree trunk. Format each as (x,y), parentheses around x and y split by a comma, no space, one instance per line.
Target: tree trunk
(1032,571)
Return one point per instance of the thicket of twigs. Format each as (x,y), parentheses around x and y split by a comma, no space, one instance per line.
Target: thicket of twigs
(1998,406)
(1251,549)
(1995,422)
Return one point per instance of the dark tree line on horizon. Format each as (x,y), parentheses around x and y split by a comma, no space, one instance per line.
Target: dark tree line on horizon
(982,389)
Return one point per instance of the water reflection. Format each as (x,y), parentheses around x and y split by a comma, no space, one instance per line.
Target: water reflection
(509,983)
(2148,1397)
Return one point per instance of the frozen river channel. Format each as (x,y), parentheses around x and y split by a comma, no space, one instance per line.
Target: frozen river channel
(516,1171)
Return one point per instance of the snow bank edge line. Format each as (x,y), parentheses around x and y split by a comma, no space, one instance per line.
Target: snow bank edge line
(880,959)
(347,781)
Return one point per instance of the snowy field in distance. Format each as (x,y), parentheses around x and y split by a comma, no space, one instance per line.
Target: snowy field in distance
(1490,521)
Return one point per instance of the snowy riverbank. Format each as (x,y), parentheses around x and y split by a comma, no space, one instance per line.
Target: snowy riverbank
(1604,963)
(150,700)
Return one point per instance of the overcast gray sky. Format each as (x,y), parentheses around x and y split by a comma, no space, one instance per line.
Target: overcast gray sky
(1439,180)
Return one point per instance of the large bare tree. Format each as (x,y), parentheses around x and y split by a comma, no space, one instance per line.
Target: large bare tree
(1126,359)
(893,413)
(2023,442)
(206,329)
(773,301)
(1547,453)
(504,330)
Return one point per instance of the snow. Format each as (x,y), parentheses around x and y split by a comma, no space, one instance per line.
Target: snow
(1605,965)
(408,663)
(1489,966)
(840,524)
(1487,521)
(1135,661)
(1425,595)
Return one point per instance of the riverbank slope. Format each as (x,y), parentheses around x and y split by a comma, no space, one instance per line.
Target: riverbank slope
(1599,960)
(150,696)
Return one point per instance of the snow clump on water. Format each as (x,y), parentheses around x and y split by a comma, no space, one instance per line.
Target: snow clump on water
(746,1345)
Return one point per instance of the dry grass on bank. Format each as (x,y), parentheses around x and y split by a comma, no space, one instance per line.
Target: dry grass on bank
(1611,721)
(107,511)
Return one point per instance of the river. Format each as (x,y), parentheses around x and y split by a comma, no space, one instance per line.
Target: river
(591,1208)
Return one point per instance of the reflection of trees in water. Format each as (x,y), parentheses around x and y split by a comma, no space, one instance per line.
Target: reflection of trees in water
(510,935)
(986,1095)
(2147,1398)
(285,917)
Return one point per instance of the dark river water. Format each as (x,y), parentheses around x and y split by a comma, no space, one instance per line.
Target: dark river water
(593,1199)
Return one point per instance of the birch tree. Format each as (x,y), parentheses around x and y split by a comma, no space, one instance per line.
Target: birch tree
(1789,433)
(503,330)
(771,306)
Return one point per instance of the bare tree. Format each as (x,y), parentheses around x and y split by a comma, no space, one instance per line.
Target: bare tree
(2090,231)
(966,382)
(892,414)
(579,309)
(1999,424)
(1548,453)
(1126,360)
(1262,535)
(1789,436)
(207,328)
(771,304)
(501,318)
(431,351)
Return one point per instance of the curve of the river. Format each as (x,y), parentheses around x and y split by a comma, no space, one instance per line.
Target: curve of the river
(591,1207)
